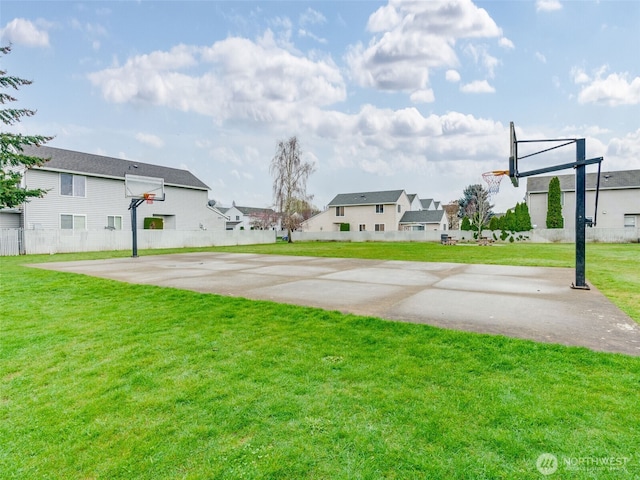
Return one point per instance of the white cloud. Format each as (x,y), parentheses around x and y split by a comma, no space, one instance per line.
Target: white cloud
(414,37)
(150,139)
(481,57)
(627,146)
(258,81)
(579,75)
(383,141)
(304,33)
(477,86)
(24,32)
(541,58)
(504,42)
(548,5)
(613,90)
(423,96)
(311,17)
(452,76)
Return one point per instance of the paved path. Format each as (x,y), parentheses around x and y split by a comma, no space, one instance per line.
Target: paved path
(525,302)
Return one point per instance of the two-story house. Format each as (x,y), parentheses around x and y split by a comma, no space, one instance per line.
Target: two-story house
(381,211)
(87,192)
(618,202)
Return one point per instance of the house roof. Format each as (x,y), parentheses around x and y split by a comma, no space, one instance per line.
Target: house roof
(422,216)
(255,211)
(426,203)
(61,160)
(608,180)
(366,198)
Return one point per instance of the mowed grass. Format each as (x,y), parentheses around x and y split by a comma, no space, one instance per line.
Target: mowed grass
(102,379)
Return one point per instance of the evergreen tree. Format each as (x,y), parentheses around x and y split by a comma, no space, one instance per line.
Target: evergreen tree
(466,224)
(509,221)
(554,205)
(523,218)
(12,160)
(494,223)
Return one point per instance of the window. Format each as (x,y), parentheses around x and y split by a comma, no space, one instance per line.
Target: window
(379,208)
(339,211)
(630,221)
(72,185)
(114,222)
(362,227)
(399,208)
(73,222)
(237,218)
(379,227)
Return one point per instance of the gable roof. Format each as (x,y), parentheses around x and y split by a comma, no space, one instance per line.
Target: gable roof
(422,216)
(255,211)
(366,198)
(61,160)
(426,203)
(608,180)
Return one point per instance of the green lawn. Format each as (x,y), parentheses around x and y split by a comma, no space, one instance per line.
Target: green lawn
(108,380)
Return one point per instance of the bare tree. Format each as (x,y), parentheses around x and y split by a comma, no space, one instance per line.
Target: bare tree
(290,182)
(451,209)
(475,206)
(264,219)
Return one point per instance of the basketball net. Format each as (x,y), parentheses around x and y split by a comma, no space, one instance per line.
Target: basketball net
(149,197)
(493,180)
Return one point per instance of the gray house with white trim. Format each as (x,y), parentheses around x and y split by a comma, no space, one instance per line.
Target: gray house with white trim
(87,192)
(618,203)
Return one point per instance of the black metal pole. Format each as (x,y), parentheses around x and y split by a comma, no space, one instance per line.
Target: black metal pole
(133,206)
(581,202)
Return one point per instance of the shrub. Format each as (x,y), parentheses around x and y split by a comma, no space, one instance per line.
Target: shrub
(153,223)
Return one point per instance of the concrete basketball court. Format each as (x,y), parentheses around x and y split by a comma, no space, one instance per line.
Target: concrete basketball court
(524,302)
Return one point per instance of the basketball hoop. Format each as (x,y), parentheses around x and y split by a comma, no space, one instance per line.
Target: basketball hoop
(149,197)
(493,180)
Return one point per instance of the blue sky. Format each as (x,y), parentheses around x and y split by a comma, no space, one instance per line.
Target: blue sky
(381,95)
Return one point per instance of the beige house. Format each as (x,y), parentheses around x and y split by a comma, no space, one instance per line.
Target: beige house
(618,203)
(390,210)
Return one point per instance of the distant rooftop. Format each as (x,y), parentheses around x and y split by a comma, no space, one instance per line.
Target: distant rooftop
(366,198)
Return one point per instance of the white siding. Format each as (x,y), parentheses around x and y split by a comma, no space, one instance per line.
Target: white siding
(184,208)
(613,204)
